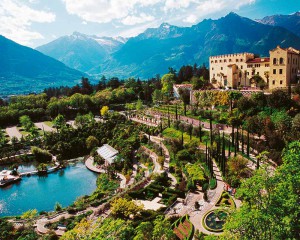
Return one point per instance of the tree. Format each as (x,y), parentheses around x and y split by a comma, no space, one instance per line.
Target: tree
(104,110)
(41,155)
(124,208)
(167,84)
(59,121)
(143,231)
(30,214)
(157,96)
(26,122)
(185,97)
(279,99)
(57,207)
(262,158)
(139,105)
(233,96)
(91,142)
(270,208)
(162,229)
(259,81)
(198,82)
(107,228)
(86,87)
(237,170)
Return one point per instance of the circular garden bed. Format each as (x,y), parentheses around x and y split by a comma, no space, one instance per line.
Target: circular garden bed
(214,220)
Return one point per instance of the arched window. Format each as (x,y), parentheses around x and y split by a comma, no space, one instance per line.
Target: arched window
(281,60)
(274,61)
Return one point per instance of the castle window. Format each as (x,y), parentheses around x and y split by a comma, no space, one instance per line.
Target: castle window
(229,60)
(220,61)
(257,73)
(241,60)
(216,61)
(267,65)
(212,62)
(225,60)
(274,61)
(212,68)
(281,60)
(237,60)
(273,82)
(280,82)
(280,71)
(241,67)
(221,68)
(274,71)
(248,73)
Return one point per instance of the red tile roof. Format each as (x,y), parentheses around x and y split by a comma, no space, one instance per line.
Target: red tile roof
(259,60)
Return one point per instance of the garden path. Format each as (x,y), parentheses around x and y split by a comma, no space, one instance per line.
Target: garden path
(167,159)
(44,127)
(13,132)
(197,215)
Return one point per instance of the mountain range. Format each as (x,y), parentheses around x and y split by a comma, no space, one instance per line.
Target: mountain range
(82,52)
(156,49)
(24,70)
(290,22)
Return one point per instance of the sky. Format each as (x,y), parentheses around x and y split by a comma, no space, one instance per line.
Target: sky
(36,22)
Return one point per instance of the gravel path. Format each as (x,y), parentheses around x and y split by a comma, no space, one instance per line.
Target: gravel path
(196,218)
(167,159)
(13,132)
(43,126)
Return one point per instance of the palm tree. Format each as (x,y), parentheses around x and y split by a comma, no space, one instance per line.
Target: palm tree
(267,75)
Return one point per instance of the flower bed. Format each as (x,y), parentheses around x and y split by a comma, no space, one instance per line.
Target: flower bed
(183,228)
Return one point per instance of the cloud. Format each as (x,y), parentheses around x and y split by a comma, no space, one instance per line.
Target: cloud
(133,20)
(211,6)
(104,11)
(16,19)
(190,19)
(177,4)
(132,12)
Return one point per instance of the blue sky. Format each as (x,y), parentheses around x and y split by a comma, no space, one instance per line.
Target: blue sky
(36,22)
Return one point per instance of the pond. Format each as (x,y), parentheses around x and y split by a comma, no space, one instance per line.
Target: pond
(42,192)
(214,221)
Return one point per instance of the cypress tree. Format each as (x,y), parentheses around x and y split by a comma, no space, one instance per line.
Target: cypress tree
(248,143)
(210,127)
(237,139)
(218,148)
(242,136)
(169,124)
(176,113)
(229,147)
(149,134)
(206,157)
(236,143)
(200,131)
(232,136)
(223,155)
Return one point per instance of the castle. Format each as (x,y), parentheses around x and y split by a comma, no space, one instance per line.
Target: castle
(245,70)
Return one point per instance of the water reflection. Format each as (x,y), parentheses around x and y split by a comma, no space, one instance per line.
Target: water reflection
(42,192)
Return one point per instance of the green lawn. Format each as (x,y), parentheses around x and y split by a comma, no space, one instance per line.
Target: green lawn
(173,133)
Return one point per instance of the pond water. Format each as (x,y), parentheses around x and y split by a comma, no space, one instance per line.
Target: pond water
(214,221)
(42,192)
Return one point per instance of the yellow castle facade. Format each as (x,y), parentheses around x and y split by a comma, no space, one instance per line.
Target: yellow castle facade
(246,70)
